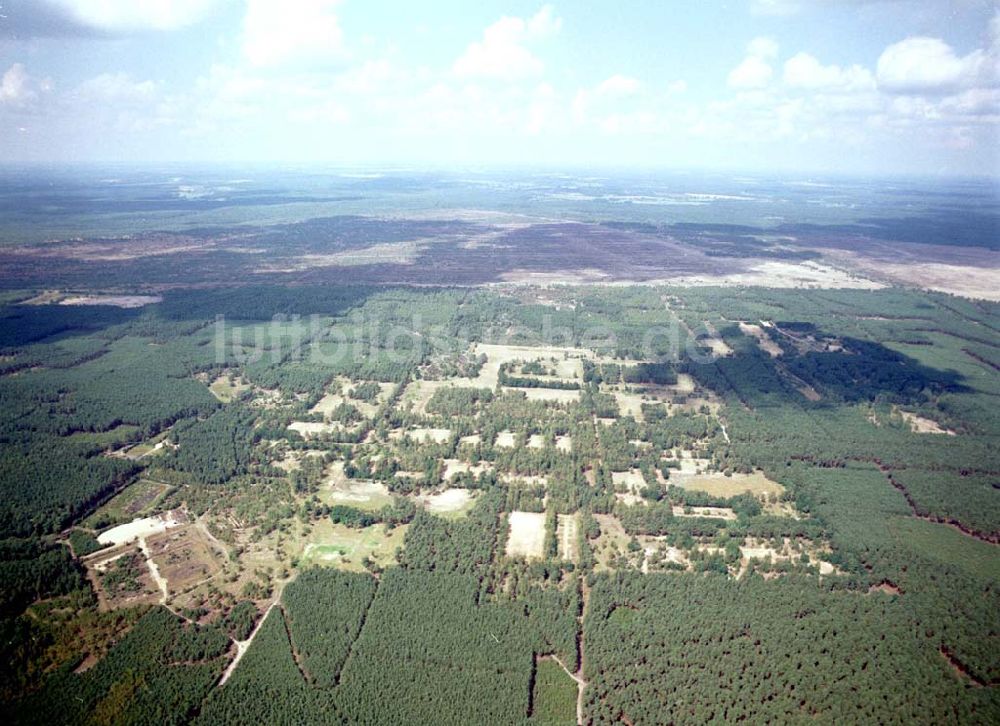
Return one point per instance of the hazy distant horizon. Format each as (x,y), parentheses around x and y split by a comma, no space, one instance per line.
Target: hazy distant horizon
(852,87)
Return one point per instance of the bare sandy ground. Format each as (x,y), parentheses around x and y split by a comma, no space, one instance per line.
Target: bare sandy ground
(921,425)
(809,275)
(137,528)
(450,500)
(527,534)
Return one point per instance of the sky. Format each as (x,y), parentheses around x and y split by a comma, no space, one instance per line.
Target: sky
(843,86)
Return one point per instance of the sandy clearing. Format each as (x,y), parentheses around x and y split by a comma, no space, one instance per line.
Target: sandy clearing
(630,404)
(564,443)
(566,530)
(809,275)
(685,383)
(763,339)
(309,429)
(527,534)
(154,571)
(436,436)
(536,441)
(921,425)
(505,440)
(555,395)
(694,466)
(718,484)
(419,393)
(138,528)
(118,301)
(450,500)
(714,512)
(355,492)
(497,355)
(630,481)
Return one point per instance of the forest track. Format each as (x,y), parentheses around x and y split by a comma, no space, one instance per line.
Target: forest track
(581,684)
(243,645)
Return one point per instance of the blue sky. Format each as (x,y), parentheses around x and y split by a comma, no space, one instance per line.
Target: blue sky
(853,86)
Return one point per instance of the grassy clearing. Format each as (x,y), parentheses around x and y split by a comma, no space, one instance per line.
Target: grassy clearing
(111,437)
(450,504)
(946,544)
(554,395)
(719,485)
(368,495)
(554,696)
(335,545)
(613,539)
(136,500)
(505,439)
(437,436)
(226,388)
(184,557)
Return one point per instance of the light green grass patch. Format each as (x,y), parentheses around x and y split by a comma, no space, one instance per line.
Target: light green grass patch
(554,698)
(946,544)
(335,545)
(135,501)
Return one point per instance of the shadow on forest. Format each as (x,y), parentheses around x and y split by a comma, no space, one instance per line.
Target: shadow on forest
(860,370)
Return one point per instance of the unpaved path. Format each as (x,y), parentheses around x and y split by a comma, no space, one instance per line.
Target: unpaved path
(581,684)
(154,571)
(243,645)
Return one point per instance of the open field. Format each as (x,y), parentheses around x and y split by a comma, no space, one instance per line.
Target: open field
(311,429)
(436,436)
(505,440)
(184,557)
(566,533)
(227,388)
(720,485)
(714,512)
(135,500)
(450,504)
(923,425)
(336,545)
(763,339)
(359,493)
(527,534)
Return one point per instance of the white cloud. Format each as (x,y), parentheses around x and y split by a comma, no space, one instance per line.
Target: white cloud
(678,86)
(618,85)
(774,7)
(300,31)
(19,89)
(14,85)
(751,73)
(806,72)
(116,88)
(754,71)
(763,47)
(121,15)
(922,65)
(502,53)
(544,22)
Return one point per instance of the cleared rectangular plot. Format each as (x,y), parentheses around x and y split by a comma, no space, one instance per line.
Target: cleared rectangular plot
(527,534)
(566,533)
